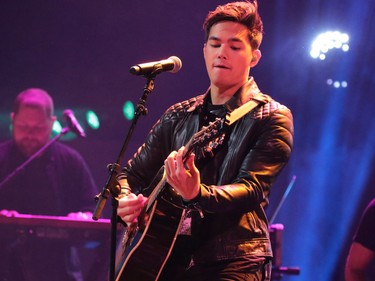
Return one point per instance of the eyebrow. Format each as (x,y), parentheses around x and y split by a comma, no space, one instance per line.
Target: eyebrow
(28,125)
(233,39)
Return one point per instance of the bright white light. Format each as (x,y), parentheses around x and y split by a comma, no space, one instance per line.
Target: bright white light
(328,41)
(324,48)
(337,44)
(344,38)
(337,84)
(314,54)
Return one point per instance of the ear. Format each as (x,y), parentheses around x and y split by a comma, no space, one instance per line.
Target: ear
(12,116)
(204,50)
(256,57)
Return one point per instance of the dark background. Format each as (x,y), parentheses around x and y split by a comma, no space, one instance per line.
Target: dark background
(81,51)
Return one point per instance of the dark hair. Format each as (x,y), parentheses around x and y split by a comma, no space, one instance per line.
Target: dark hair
(34,97)
(243,12)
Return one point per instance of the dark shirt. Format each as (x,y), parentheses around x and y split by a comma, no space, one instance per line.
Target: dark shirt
(54,184)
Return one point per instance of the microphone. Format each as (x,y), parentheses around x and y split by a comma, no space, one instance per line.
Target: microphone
(73,124)
(172,64)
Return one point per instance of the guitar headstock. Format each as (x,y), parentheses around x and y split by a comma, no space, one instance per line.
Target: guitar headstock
(206,135)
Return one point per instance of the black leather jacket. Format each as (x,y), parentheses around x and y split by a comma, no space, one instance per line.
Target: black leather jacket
(236,186)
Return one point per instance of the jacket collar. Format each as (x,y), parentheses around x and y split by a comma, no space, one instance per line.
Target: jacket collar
(245,93)
(240,97)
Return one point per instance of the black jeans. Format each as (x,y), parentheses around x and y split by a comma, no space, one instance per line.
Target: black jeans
(242,269)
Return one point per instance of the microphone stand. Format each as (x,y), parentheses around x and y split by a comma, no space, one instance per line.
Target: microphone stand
(112,186)
(278,270)
(32,157)
(282,199)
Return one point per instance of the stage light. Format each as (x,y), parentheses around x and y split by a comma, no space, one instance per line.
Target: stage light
(56,128)
(337,84)
(327,41)
(92,119)
(345,47)
(128,110)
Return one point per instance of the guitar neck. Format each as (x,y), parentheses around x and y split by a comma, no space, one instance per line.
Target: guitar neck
(198,139)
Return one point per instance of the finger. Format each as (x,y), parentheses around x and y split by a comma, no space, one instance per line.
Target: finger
(180,152)
(172,156)
(168,170)
(123,213)
(130,219)
(170,161)
(170,166)
(142,199)
(129,207)
(190,162)
(128,200)
(179,160)
(129,213)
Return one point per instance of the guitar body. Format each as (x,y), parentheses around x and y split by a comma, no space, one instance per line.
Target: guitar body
(146,247)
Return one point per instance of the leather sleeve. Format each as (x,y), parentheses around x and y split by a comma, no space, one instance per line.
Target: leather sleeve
(144,165)
(142,171)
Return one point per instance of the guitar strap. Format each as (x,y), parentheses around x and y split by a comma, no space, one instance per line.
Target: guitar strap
(229,117)
(242,110)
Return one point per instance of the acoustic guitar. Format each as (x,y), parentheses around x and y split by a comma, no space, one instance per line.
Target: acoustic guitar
(146,246)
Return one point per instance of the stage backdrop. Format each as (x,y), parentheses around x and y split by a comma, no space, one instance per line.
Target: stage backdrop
(81,52)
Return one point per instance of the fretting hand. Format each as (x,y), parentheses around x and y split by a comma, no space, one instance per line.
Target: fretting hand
(184,178)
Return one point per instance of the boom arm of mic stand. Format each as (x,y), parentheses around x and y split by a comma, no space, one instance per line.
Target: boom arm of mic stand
(112,186)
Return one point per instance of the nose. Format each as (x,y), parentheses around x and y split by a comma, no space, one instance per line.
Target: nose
(222,54)
(31,131)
